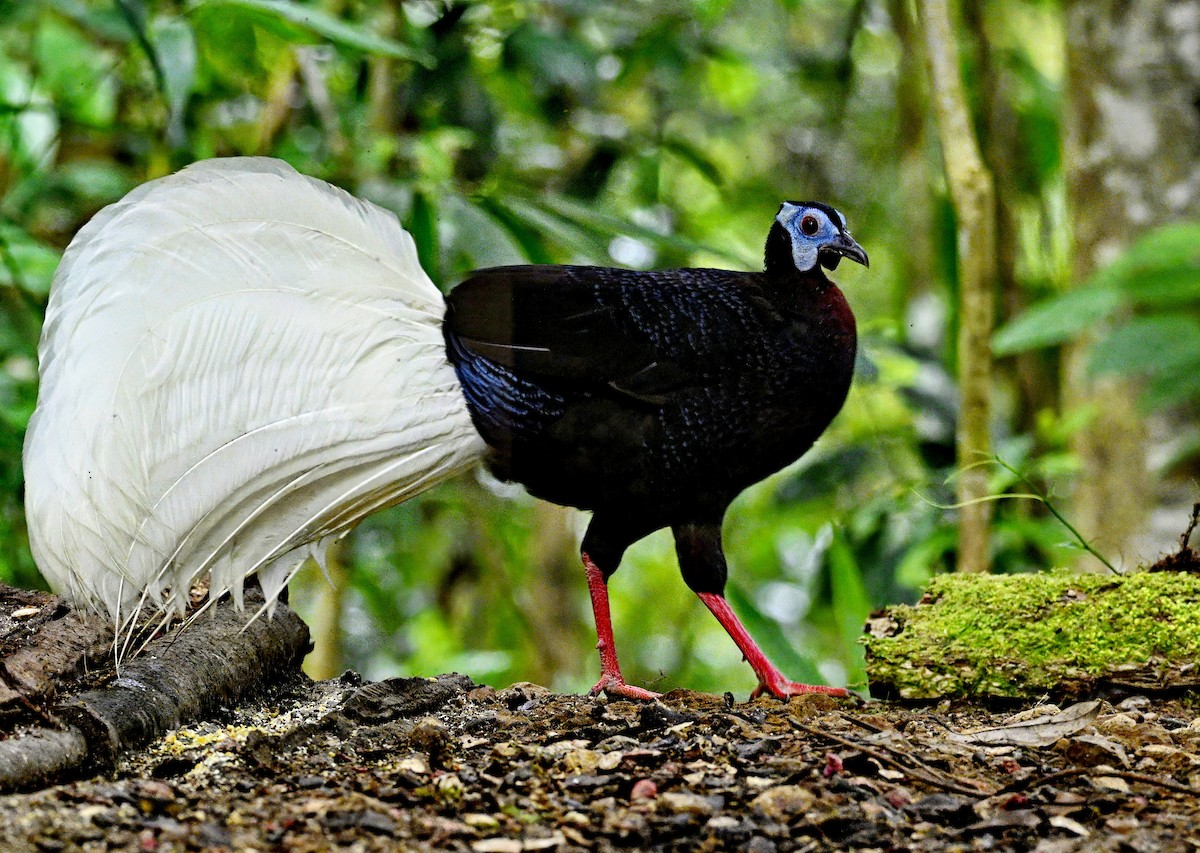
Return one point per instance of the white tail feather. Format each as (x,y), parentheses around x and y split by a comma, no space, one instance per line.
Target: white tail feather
(238,364)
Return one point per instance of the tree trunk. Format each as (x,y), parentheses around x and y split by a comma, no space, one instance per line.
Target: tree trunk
(973,196)
(1133,145)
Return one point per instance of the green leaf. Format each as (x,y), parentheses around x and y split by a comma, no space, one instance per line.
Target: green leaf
(1172,388)
(1056,320)
(1149,345)
(1170,247)
(530,241)
(1168,287)
(694,156)
(479,236)
(582,244)
(75,73)
(91,183)
(175,46)
(293,20)
(237,47)
(612,226)
(423,225)
(848,596)
(561,59)
(25,262)
(106,22)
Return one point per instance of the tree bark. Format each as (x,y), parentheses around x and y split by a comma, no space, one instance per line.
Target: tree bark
(1133,149)
(973,197)
(215,662)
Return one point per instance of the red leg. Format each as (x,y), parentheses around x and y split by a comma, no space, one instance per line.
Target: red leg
(770,679)
(611,681)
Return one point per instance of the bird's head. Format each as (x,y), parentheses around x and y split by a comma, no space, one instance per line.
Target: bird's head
(806,234)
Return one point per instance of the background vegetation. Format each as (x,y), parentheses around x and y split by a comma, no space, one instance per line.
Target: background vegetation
(657,134)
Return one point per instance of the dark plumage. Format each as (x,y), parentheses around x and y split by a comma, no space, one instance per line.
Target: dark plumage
(654,398)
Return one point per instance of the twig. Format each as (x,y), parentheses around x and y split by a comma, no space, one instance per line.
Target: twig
(854,721)
(1083,543)
(1127,775)
(922,774)
(1187,534)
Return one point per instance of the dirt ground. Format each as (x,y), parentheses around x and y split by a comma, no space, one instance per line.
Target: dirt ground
(442,764)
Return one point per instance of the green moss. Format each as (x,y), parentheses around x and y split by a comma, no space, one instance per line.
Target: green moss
(1025,635)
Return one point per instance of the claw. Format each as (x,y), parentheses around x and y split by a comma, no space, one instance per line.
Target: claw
(614,686)
(782,688)
(770,679)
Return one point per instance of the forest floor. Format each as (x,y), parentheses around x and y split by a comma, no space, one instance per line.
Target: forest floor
(443,764)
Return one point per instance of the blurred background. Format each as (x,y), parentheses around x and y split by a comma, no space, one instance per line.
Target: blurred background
(661,133)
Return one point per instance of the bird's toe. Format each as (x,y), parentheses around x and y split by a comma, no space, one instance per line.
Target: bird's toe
(782,688)
(615,686)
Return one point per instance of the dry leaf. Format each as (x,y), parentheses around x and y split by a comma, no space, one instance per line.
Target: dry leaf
(1064,822)
(1040,731)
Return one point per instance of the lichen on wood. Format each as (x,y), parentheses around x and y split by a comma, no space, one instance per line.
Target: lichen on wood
(1018,636)
(62,729)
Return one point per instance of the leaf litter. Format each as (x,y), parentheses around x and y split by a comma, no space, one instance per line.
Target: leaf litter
(444,764)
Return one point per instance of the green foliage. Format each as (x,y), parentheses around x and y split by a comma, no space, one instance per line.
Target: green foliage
(1150,299)
(1057,320)
(643,134)
(295,23)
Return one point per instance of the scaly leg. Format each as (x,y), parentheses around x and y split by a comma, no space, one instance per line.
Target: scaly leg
(770,679)
(611,681)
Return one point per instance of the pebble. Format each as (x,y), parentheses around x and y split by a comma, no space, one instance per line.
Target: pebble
(783,801)
(1091,750)
(1116,724)
(683,802)
(1111,783)
(497,845)
(643,789)
(1122,824)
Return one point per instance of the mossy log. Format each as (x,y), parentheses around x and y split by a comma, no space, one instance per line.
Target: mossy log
(1024,636)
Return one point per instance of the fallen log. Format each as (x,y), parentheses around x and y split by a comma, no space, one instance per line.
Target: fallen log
(216,662)
(44,646)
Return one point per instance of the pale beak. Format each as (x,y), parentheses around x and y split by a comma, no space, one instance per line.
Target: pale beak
(841,246)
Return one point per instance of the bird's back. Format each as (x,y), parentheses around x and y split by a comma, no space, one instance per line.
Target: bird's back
(664,393)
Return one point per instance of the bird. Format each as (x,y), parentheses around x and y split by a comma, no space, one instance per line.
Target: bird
(240,362)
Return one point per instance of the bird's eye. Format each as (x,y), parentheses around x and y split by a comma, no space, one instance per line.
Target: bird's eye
(809,225)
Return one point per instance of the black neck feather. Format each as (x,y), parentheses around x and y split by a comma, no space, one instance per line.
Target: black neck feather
(778,256)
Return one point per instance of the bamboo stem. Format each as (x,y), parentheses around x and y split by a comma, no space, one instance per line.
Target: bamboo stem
(326,659)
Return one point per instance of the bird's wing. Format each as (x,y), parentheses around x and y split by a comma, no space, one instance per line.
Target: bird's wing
(580,326)
(238,362)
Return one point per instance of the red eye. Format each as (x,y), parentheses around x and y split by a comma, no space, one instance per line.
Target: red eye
(809,225)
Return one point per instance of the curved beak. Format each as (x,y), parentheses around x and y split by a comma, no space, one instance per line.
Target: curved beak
(842,246)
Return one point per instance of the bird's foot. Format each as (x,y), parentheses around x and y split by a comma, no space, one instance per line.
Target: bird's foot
(782,688)
(614,686)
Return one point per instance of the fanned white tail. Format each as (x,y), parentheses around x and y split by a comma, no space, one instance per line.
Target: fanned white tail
(238,363)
